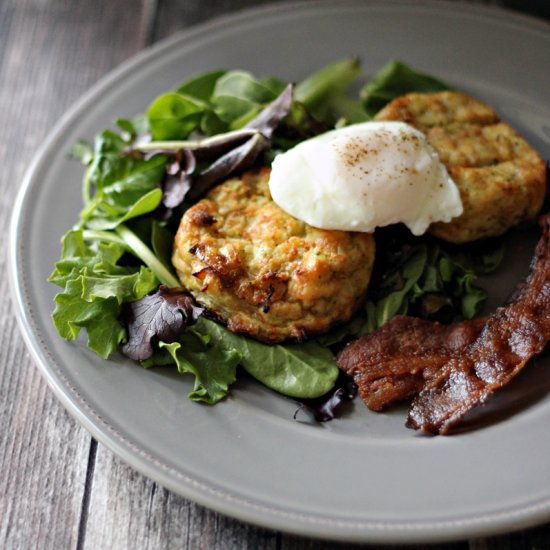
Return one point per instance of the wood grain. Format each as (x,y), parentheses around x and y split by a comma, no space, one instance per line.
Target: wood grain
(129,511)
(174,15)
(50,53)
(59,488)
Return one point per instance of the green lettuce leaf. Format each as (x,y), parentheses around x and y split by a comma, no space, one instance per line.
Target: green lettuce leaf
(298,370)
(213,367)
(94,287)
(174,116)
(99,318)
(393,80)
(124,188)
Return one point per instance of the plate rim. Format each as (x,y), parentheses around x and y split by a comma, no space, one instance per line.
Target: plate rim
(258,513)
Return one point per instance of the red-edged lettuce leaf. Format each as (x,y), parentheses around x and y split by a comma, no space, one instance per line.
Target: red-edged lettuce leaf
(162,316)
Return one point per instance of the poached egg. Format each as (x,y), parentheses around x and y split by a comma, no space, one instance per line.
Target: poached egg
(365,176)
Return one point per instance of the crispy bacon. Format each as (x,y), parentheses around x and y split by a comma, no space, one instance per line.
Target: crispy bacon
(394,362)
(512,336)
(453,368)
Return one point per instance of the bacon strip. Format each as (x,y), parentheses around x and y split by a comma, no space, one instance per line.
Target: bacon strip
(512,336)
(394,362)
(453,368)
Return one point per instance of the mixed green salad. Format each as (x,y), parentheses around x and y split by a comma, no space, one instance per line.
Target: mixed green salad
(115,272)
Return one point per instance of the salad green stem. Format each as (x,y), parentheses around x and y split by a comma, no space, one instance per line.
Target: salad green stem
(86,186)
(195,144)
(322,84)
(105,236)
(144,253)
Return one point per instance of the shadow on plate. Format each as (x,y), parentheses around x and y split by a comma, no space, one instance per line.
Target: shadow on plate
(530,387)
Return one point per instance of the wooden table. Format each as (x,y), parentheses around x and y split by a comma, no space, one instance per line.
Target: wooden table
(58,487)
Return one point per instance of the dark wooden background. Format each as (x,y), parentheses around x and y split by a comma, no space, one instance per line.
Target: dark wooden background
(58,488)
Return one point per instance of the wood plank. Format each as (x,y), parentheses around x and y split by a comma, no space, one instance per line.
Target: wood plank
(50,53)
(536,537)
(127,510)
(174,15)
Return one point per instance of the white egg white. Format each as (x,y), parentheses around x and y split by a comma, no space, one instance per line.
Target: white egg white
(365,176)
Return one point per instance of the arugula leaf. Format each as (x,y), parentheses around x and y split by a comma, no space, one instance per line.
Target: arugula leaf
(398,288)
(393,80)
(420,276)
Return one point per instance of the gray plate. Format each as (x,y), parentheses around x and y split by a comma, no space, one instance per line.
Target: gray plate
(362,477)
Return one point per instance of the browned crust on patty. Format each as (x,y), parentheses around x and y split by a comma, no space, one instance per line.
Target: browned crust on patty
(501,178)
(264,272)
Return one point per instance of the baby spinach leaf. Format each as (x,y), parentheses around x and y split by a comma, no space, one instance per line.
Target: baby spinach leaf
(393,80)
(174,116)
(201,86)
(298,370)
(276,85)
(125,188)
(128,130)
(109,218)
(232,108)
(243,85)
(211,124)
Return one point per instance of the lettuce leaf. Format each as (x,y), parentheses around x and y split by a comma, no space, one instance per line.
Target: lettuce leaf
(298,370)
(214,368)
(393,80)
(94,286)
